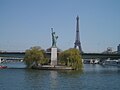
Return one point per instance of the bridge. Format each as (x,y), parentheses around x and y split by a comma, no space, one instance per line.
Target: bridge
(101,55)
(84,55)
(12,54)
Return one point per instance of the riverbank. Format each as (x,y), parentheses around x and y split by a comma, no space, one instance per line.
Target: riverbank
(49,67)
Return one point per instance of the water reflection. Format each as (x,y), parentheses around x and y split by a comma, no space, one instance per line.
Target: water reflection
(71,73)
(100,69)
(14,64)
(53,80)
(36,79)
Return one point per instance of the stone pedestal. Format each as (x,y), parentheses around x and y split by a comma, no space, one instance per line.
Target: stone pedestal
(0,60)
(53,56)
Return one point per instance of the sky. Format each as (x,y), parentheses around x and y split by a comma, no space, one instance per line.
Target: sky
(28,23)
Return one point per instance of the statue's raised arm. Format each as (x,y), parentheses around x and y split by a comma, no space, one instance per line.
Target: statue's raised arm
(54,38)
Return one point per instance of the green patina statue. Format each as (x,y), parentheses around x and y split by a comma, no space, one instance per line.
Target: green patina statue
(54,38)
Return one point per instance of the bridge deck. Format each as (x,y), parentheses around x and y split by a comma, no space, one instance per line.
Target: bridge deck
(84,55)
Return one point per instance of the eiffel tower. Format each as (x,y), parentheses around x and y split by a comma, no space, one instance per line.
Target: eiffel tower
(77,40)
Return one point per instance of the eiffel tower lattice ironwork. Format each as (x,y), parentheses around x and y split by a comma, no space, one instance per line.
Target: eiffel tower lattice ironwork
(77,40)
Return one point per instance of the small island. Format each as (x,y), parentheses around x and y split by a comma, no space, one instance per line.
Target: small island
(36,58)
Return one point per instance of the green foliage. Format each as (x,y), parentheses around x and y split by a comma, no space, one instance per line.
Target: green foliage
(35,56)
(44,61)
(71,58)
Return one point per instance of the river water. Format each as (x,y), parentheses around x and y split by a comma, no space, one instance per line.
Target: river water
(93,77)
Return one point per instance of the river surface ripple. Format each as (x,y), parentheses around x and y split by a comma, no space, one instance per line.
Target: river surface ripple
(93,77)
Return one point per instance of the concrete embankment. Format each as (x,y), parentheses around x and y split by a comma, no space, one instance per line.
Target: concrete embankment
(49,67)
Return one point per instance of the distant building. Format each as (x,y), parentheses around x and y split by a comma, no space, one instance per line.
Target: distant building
(108,51)
(118,48)
(1,51)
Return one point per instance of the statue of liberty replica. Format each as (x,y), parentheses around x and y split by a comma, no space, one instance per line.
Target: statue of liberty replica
(54,38)
(54,49)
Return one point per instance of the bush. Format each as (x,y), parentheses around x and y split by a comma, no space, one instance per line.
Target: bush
(35,56)
(71,58)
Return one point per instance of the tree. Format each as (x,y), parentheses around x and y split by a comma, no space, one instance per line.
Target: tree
(71,58)
(34,56)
